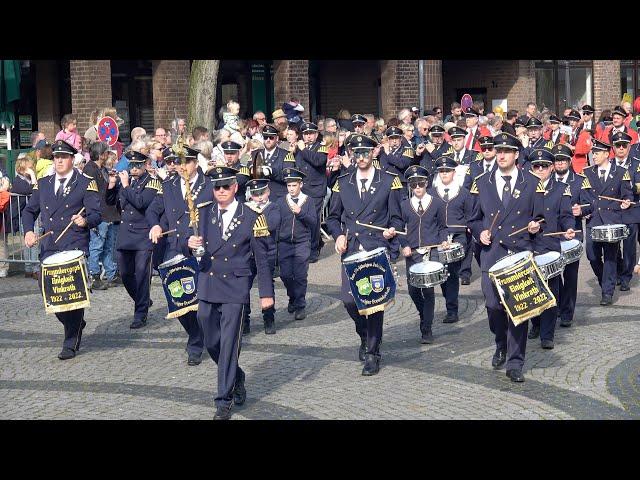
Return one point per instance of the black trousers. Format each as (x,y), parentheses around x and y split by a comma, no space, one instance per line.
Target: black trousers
(451,288)
(602,257)
(547,319)
(470,250)
(425,301)
(221,325)
(316,237)
(135,268)
(568,291)
(627,259)
(195,342)
(72,321)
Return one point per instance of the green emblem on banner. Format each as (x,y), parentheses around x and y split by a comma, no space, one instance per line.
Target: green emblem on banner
(364,286)
(176,290)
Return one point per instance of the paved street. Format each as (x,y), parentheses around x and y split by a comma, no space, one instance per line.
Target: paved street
(309,369)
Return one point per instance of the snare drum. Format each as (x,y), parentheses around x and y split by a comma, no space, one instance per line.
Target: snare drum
(371,280)
(609,233)
(65,283)
(571,251)
(523,291)
(427,274)
(453,254)
(551,264)
(179,277)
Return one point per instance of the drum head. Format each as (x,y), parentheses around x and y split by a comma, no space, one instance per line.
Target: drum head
(510,260)
(569,244)
(62,257)
(547,258)
(426,267)
(173,261)
(357,257)
(615,225)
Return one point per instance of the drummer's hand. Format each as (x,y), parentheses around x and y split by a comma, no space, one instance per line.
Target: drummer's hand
(30,239)
(406,252)
(445,245)
(266,302)
(534,227)
(341,244)
(154,233)
(576,210)
(389,233)
(194,242)
(295,208)
(124,178)
(636,269)
(570,234)
(485,237)
(625,204)
(79,220)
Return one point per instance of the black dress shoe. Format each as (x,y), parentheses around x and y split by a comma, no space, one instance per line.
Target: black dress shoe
(371,365)
(565,322)
(498,359)
(547,344)
(300,314)
(515,375)
(66,354)
(624,288)
(138,323)
(269,327)
(291,308)
(534,332)
(239,392)
(313,260)
(465,281)
(194,360)
(606,300)
(427,337)
(222,413)
(450,319)
(97,284)
(362,351)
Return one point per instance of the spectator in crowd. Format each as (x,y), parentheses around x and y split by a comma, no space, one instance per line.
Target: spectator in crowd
(415,113)
(253,131)
(320,123)
(23,186)
(91,133)
(378,132)
(407,133)
(532,110)
(69,131)
(421,132)
(370,125)
(230,117)
(161,136)
(204,158)
(437,112)
(79,162)
(508,125)
(36,137)
(344,120)
(155,153)
(179,128)
(43,159)
(292,136)
(495,125)
(330,125)
(5,196)
(217,156)
(456,113)
(200,133)
(405,116)
(635,122)
(293,110)
(250,147)
(393,122)
(431,120)
(168,140)
(261,118)
(478,106)
(280,122)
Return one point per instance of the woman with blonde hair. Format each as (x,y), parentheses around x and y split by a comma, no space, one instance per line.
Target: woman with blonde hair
(22,189)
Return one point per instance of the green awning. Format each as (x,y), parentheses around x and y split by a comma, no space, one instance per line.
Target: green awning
(9,90)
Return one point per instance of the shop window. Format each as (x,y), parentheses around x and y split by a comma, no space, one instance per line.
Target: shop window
(564,84)
(630,78)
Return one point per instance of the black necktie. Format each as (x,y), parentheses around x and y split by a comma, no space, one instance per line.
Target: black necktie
(602,172)
(60,188)
(457,157)
(561,179)
(221,220)
(487,166)
(506,194)
(363,190)
(295,200)
(420,209)
(446,195)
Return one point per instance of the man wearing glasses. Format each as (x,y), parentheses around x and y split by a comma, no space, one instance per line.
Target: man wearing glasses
(473,131)
(434,149)
(161,136)
(231,234)
(536,140)
(619,115)
(261,118)
(270,162)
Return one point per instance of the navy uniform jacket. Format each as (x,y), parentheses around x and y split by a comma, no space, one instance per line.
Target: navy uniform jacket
(428,160)
(271,214)
(396,161)
(55,215)
(279,160)
(312,161)
(467,159)
(601,211)
(574,181)
(169,209)
(523,158)
(521,210)
(476,169)
(134,201)
(457,212)
(632,214)
(556,204)
(426,229)
(225,269)
(381,209)
(297,228)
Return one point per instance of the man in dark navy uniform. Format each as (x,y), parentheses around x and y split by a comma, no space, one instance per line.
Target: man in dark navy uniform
(358,121)
(133,192)
(556,205)
(394,157)
(170,211)
(608,179)
(270,162)
(311,159)
(460,154)
(515,196)
(371,196)
(432,151)
(231,152)
(57,199)
(554,124)
(231,233)
(485,162)
(536,140)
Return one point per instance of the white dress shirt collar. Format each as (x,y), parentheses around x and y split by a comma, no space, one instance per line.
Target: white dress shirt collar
(426,200)
(369,176)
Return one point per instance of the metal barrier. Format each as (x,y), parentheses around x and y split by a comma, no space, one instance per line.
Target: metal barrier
(324,213)
(12,247)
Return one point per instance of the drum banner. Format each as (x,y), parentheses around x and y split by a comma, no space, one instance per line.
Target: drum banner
(524,293)
(64,286)
(180,284)
(372,285)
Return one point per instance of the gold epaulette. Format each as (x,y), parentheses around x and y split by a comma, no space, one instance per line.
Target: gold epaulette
(396,184)
(35,186)
(479,157)
(474,186)
(244,171)
(408,152)
(336,187)
(549,144)
(448,151)
(290,158)
(626,176)
(204,204)
(260,227)
(376,164)
(567,191)
(154,183)
(468,172)
(540,188)
(93,186)
(585,184)
(638,169)
(323,149)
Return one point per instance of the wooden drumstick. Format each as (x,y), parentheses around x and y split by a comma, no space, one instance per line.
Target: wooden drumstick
(68,226)
(524,228)
(375,227)
(614,199)
(559,233)
(584,205)
(494,221)
(42,236)
(166,233)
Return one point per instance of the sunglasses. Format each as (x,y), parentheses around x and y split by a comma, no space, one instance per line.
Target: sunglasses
(540,166)
(169,162)
(418,184)
(225,187)
(621,145)
(486,149)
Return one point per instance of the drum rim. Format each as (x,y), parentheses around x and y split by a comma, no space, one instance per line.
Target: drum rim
(422,264)
(364,255)
(526,258)
(172,261)
(575,242)
(552,253)
(48,262)
(453,246)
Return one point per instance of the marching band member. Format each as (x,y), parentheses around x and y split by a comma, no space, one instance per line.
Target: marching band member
(434,150)
(231,152)
(271,161)
(133,192)
(231,233)
(535,140)
(618,116)
(368,195)
(556,203)
(169,211)
(458,207)
(553,134)
(603,178)
(484,163)
(394,157)
(57,199)
(514,195)
(569,277)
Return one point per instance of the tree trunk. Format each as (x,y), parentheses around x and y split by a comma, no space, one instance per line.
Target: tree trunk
(202,94)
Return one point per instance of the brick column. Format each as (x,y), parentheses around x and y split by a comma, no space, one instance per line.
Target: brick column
(48,98)
(432,85)
(90,89)
(523,90)
(170,90)
(399,86)
(291,79)
(607,90)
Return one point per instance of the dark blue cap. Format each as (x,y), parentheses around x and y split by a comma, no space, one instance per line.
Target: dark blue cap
(293,174)
(446,163)
(471,112)
(620,137)
(136,157)
(256,185)
(393,132)
(533,122)
(599,145)
(308,127)
(357,118)
(269,130)
(618,110)
(588,109)
(361,141)
(222,174)
(573,115)
(416,171)
(506,140)
(60,146)
(436,130)
(554,119)
(541,155)
(486,141)
(521,121)
(562,152)
(230,147)
(457,132)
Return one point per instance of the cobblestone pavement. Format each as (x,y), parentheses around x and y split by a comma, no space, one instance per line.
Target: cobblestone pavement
(309,369)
